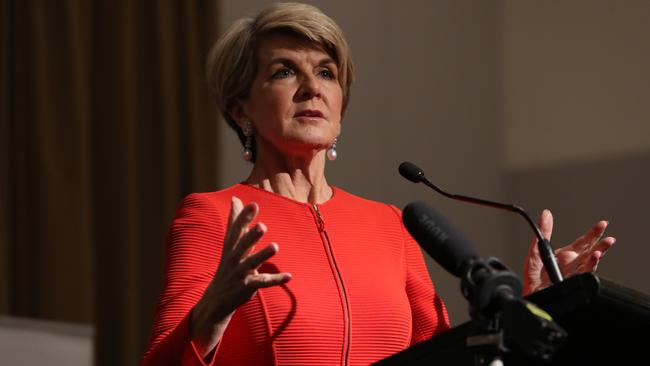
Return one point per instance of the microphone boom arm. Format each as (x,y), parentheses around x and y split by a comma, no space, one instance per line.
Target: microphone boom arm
(544,246)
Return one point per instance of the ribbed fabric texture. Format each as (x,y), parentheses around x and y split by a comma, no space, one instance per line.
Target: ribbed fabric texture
(360,290)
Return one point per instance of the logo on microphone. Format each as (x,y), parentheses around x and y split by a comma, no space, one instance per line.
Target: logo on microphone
(438,232)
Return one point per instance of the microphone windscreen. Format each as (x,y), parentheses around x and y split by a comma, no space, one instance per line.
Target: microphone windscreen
(445,244)
(411,172)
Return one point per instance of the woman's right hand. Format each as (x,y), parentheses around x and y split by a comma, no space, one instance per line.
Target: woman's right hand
(236,280)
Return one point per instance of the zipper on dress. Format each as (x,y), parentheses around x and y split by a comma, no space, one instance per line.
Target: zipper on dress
(339,278)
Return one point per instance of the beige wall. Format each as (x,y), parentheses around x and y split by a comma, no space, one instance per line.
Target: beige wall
(576,111)
(577,80)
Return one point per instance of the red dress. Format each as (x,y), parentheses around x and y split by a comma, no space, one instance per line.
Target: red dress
(360,289)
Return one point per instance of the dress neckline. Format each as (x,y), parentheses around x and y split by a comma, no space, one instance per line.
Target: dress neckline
(334,196)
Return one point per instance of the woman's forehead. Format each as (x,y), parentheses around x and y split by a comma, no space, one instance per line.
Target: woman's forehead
(281,45)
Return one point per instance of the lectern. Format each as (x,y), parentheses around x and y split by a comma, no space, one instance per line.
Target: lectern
(606,324)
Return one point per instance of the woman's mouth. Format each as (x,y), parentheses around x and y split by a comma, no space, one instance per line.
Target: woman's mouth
(309,113)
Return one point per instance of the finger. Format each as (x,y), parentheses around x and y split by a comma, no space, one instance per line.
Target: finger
(591,264)
(254,261)
(241,222)
(533,250)
(247,241)
(604,244)
(236,206)
(546,224)
(590,237)
(246,216)
(263,280)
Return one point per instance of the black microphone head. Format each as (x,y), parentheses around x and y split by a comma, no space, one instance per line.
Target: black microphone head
(411,172)
(447,245)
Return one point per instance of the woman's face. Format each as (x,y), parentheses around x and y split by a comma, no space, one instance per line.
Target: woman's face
(295,101)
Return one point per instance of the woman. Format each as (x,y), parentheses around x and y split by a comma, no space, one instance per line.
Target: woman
(349,285)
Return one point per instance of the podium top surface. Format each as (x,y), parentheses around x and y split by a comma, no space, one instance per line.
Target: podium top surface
(590,296)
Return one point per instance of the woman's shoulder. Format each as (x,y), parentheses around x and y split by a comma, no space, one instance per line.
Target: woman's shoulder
(221,194)
(219,200)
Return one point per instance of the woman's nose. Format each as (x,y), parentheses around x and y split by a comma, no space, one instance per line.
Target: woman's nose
(309,87)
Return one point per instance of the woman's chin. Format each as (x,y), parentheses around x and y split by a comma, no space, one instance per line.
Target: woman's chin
(304,148)
(312,141)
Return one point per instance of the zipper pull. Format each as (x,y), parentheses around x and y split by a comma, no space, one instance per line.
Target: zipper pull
(321,223)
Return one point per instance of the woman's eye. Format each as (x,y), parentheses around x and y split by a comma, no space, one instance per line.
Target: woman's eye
(283,73)
(327,74)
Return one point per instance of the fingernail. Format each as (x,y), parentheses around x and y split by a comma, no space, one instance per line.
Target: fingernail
(274,247)
(260,228)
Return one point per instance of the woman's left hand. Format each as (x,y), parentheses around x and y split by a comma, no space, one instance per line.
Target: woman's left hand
(580,256)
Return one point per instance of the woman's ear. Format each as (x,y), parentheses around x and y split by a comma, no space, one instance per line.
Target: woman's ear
(238,114)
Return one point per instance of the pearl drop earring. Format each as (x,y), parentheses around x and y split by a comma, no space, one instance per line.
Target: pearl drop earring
(247,154)
(331,152)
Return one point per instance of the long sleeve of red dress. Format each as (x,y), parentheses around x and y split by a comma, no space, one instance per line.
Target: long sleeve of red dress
(360,289)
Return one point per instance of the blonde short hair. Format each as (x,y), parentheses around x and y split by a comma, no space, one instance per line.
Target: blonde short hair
(231,64)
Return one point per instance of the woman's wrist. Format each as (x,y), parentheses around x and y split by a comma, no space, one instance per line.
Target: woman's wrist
(206,330)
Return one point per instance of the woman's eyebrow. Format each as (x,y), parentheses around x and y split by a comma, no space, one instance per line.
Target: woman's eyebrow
(327,61)
(289,62)
(281,60)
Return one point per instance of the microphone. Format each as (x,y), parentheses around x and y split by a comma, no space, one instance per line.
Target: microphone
(448,246)
(413,173)
(493,291)
(487,284)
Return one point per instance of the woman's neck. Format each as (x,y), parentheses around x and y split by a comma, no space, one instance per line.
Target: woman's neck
(299,178)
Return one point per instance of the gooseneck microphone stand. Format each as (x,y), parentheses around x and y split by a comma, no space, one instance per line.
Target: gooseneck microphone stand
(413,173)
